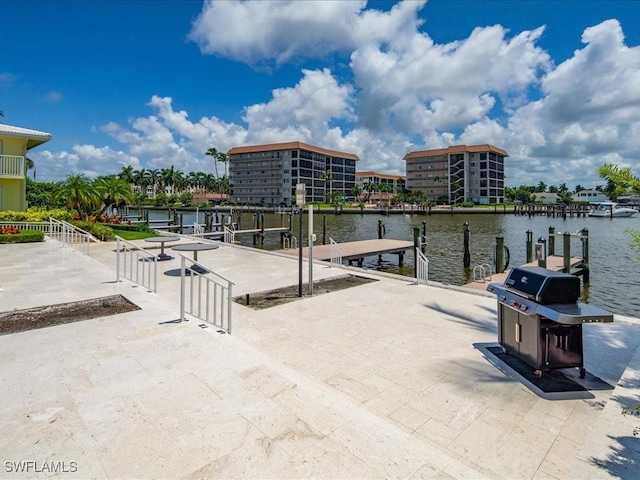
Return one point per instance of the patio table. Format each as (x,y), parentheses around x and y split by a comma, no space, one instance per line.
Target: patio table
(195,248)
(161,240)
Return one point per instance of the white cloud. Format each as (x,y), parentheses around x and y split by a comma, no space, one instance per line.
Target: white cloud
(267,31)
(88,160)
(588,116)
(52,97)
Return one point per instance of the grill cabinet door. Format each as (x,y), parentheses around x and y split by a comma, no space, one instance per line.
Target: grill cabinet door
(562,345)
(507,328)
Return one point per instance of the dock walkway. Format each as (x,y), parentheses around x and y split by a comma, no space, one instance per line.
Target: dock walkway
(554,262)
(355,250)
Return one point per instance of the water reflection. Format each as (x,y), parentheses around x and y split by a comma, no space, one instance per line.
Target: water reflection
(615,276)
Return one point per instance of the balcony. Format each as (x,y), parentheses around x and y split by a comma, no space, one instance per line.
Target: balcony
(11,166)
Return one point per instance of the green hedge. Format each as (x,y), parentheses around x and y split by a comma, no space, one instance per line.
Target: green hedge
(25,236)
(98,230)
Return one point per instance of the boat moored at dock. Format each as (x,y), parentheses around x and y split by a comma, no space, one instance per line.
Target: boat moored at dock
(611,210)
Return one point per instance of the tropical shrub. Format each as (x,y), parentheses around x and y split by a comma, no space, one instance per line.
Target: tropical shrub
(35,215)
(98,230)
(24,236)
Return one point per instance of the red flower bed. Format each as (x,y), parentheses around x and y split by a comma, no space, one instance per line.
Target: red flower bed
(9,230)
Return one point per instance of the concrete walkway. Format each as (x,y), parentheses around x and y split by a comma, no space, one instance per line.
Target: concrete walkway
(383,380)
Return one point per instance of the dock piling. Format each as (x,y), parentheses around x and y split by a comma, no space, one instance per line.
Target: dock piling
(529,246)
(552,240)
(466,259)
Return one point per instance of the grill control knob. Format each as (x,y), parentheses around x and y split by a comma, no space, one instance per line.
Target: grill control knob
(502,298)
(524,308)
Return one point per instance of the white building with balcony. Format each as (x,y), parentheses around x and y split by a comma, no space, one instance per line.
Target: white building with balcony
(14,144)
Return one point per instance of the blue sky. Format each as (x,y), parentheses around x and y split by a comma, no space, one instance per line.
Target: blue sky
(155,83)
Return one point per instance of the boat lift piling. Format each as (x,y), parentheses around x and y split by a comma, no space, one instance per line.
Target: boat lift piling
(580,269)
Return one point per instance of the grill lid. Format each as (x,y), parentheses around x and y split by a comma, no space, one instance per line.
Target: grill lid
(543,285)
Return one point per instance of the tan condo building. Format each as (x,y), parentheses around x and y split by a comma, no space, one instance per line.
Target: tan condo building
(392,184)
(268,174)
(458,173)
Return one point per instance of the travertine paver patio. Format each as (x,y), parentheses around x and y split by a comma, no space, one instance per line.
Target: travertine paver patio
(383,380)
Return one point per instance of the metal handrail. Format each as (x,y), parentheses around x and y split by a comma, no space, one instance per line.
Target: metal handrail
(290,242)
(422,268)
(336,253)
(136,264)
(480,272)
(208,296)
(229,236)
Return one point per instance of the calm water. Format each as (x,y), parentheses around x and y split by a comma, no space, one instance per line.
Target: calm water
(615,275)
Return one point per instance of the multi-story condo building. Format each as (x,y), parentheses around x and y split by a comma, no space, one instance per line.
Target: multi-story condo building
(458,173)
(268,174)
(395,184)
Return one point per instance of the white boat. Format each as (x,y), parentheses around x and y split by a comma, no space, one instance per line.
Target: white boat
(611,209)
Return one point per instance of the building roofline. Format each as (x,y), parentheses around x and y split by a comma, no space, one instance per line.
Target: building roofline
(486,147)
(34,137)
(390,176)
(291,146)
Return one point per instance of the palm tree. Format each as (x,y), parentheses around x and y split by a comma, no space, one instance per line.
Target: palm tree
(171,178)
(127,173)
(222,157)
(213,152)
(77,193)
(328,178)
(30,165)
(369,187)
(113,191)
(356,191)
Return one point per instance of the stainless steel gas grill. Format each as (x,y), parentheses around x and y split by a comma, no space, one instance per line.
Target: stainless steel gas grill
(540,319)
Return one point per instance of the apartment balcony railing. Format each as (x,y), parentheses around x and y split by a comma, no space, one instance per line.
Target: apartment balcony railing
(11,166)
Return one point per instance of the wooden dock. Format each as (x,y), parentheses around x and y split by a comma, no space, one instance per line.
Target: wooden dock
(355,251)
(554,262)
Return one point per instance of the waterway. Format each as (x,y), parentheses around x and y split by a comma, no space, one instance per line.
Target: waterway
(615,271)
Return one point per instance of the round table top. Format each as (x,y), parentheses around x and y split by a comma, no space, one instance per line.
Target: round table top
(193,247)
(166,238)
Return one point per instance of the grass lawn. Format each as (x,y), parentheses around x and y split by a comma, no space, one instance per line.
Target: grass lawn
(133,235)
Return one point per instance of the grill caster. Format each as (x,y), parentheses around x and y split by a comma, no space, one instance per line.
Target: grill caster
(583,372)
(537,373)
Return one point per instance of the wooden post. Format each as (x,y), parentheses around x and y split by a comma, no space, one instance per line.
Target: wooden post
(552,240)
(566,251)
(180,217)
(416,241)
(324,229)
(423,240)
(380,230)
(499,255)
(584,237)
(529,246)
(466,258)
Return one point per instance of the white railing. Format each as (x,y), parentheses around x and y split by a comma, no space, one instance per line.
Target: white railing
(12,166)
(136,264)
(422,268)
(198,230)
(41,226)
(70,235)
(482,273)
(229,236)
(206,295)
(336,253)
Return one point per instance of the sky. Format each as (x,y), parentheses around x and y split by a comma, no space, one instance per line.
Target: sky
(156,83)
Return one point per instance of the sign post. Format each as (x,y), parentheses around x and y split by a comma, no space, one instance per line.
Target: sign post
(311,239)
(300,201)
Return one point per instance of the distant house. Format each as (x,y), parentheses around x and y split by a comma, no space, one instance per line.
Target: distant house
(14,144)
(590,196)
(545,198)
